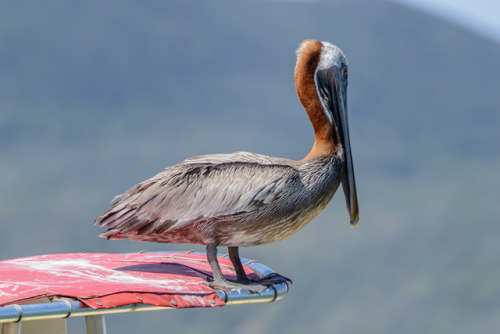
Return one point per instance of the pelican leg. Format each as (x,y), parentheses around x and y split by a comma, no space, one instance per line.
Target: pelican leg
(220,281)
(214,264)
(242,277)
(234,256)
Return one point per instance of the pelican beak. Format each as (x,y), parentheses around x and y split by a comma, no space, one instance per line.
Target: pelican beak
(348,180)
(333,91)
(340,115)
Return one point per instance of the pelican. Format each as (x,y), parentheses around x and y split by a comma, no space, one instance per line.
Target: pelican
(247,199)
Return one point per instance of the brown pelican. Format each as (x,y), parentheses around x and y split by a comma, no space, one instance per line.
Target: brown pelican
(247,199)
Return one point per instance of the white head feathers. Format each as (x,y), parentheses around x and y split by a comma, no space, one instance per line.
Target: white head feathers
(330,54)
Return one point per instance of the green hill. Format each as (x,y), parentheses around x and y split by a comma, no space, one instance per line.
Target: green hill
(97,96)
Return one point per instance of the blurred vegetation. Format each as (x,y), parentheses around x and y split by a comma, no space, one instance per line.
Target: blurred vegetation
(96,96)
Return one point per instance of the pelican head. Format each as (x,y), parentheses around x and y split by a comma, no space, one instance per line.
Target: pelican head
(328,66)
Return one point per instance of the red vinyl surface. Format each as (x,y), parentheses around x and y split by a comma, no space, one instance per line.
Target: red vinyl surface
(112,280)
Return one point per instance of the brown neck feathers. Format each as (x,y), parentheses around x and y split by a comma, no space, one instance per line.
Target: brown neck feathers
(325,142)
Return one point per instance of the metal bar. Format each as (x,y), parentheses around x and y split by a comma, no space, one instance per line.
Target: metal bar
(61,310)
(95,324)
(11,328)
(14,313)
(64,309)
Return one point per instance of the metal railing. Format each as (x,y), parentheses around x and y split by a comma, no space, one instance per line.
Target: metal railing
(12,315)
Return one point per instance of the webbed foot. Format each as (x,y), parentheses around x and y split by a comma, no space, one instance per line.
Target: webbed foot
(273,278)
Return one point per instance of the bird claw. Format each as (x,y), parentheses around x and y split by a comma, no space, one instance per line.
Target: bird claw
(273,278)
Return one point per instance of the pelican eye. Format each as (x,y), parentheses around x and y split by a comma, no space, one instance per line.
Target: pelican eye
(344,71)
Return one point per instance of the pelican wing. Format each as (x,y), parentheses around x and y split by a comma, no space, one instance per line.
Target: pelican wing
(208,187)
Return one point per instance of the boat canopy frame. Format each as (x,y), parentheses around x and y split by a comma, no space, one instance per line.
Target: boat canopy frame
(49,314)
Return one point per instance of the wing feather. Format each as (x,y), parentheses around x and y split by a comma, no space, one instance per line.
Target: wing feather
(208,187)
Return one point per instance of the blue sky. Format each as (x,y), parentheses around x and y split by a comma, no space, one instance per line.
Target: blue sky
(482,16)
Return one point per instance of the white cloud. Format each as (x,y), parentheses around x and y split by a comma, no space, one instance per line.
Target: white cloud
(479,15)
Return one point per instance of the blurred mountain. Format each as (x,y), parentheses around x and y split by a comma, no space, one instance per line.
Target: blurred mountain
(96,96)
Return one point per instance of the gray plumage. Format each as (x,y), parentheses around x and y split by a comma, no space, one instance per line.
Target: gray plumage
(239,199)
